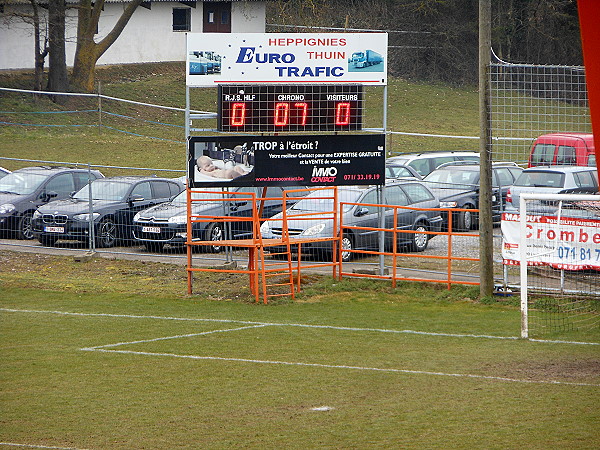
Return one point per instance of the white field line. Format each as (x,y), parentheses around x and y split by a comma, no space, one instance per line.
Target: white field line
(98,347)
(104,348)
(301,325)
(333,366)
(13,444)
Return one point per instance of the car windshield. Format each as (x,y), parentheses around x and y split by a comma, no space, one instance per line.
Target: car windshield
(540,179)
(197,197)
(322,201)
(104,190)
(21,182)
(455,177)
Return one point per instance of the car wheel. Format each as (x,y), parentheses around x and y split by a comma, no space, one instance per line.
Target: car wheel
(153,247)
(106,233)
(346,244)
(25,228)
(466,219)
(420,238)
(214,232)
(48,241)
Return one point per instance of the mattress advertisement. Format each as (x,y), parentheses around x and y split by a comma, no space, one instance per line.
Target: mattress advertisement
(303,160)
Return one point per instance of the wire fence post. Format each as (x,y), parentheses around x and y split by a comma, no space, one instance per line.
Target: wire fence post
(100,105)
(92,243)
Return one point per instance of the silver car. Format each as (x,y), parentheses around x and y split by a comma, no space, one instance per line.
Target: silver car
(553,180)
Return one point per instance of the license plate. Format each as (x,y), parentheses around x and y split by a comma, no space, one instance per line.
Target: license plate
(54,229)
(150,229)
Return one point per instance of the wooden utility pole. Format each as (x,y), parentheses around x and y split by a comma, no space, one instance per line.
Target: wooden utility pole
(486,230)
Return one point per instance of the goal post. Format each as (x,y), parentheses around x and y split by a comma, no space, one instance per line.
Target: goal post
(556,242)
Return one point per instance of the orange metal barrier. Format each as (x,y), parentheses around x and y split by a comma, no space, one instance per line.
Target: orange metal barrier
(259,270)
(394,253)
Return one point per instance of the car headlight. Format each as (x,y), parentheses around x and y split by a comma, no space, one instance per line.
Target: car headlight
(86,217)
(178,219)
(7,208)
(448,204)
(315,229)
(36,214)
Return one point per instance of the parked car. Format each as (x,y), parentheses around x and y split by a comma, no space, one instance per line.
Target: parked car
(553,180)
(396,170)
(24,190)
(456,185)
(114,203)
(404,193)
(571,149)
(3,172)
(166,224)
(426,162)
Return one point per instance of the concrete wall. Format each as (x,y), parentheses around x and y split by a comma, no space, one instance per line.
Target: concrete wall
(148,37)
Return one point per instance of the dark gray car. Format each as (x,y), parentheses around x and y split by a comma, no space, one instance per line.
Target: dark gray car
(24,190)
(407,193)
(457,186)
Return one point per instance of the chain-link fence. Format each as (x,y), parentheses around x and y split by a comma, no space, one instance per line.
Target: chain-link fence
(530,100)
(543,108)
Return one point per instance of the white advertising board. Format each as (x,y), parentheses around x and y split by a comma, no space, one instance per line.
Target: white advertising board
(574,245)
(288,58)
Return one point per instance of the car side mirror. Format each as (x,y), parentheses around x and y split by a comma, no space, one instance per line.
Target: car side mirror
(49,196)
(362,211)
(136,198)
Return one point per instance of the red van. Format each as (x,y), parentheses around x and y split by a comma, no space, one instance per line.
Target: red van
(563,149)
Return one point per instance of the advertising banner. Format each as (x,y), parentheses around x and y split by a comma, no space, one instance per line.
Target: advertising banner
(574,245)
(290,58)
(303,160)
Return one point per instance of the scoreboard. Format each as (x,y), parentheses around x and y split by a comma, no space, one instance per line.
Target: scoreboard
(290,108)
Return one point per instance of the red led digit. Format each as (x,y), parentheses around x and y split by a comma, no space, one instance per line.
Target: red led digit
(342,113)
(303,111)
(282,114)
(238,114)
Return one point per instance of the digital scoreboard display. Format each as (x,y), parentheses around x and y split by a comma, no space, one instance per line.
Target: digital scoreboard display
(282,108)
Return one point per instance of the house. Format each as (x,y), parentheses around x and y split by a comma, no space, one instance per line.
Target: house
(156,32)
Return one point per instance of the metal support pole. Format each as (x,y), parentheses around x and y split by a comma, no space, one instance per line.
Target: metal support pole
(381,193)
(187,114)
(486,230)
(100,105)
(523,268)
(381,234)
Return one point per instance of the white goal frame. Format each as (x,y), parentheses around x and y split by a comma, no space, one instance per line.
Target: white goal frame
(523,244)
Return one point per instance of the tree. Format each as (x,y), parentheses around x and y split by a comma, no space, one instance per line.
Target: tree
(40,37)
(88,51)
(41,51)
(437,40)
(58,80)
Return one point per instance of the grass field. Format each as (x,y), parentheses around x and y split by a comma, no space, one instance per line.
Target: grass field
(124,359)
(113,354)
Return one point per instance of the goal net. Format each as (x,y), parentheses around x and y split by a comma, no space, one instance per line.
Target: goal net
(556,242)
